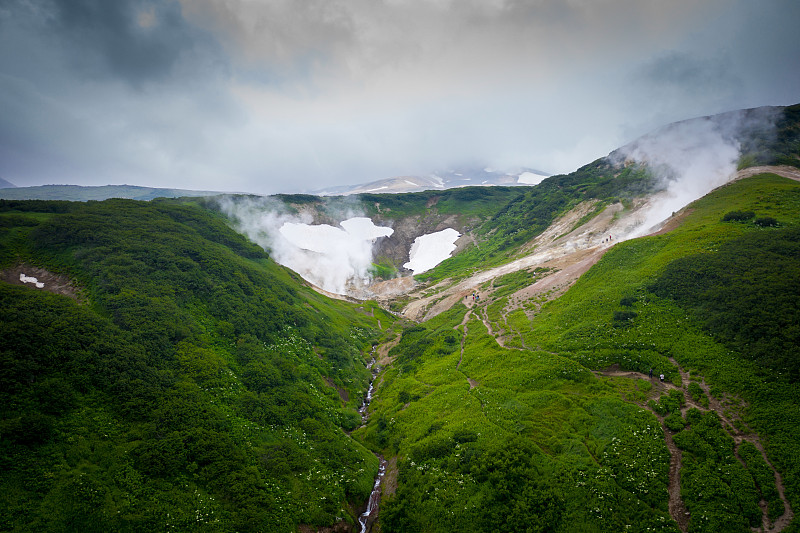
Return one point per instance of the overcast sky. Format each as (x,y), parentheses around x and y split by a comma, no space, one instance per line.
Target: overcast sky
(273,96)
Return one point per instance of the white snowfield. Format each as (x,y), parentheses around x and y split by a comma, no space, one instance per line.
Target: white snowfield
(30,279)
(364,228)
(328,256)
(529,178)
(431,249)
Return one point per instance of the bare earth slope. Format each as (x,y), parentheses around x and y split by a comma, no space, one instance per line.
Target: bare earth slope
(568,252)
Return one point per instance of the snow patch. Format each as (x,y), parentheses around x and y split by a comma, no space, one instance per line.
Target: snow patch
(30,279)
(431,249)
(364,228)
(328,256)
(529,178)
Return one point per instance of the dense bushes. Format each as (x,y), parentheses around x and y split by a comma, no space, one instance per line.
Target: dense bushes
(747,295)
(717,490)
(195,390)
(738,216)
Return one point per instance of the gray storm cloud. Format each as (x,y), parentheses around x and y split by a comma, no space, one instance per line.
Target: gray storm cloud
(284,96)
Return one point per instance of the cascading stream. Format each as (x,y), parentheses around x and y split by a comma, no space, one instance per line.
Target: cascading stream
(367,518)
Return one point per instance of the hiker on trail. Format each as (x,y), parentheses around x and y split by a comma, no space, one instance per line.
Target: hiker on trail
(662,378)
(651,373)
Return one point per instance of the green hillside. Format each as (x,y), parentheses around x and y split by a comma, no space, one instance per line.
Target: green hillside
(465,201)
(526,437)
(532,212)
(763,141)
(169,375)
(191,383)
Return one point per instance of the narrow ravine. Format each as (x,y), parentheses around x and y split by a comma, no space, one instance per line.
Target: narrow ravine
(370,514)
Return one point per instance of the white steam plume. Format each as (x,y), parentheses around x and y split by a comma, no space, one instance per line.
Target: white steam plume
(690,158)
(330,257)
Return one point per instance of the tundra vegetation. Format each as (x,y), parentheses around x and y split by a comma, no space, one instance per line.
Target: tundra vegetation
(507,439)
(188,382)
(200,386)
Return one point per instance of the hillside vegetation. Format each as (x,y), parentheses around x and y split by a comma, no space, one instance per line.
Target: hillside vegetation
(526,437)
(766,136)
(192,384)
(169,375)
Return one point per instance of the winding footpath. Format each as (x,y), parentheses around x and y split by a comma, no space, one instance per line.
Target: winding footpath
(677,507)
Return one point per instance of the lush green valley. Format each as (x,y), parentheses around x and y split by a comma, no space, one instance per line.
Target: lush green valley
(190,383)
(169,375)
(523,436)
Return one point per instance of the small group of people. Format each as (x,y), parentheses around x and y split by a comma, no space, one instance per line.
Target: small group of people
(660,376)
(475,297)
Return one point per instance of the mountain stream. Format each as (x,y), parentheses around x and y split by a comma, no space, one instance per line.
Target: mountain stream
(369,515)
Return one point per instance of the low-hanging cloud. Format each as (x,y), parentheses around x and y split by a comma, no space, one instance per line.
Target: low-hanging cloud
(691,158)
(281,96)
(333,258)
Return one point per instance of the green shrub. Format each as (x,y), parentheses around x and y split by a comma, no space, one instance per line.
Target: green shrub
(675,422)
(766,222)
(738,216)
(624,316)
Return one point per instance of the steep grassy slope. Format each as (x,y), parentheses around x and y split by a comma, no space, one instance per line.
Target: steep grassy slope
(528,215)
(768,146)
(194,388)
(766,136)
(719,298)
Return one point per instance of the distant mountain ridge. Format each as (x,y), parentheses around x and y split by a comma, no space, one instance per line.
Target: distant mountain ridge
(5,184)
(80,193)
(461,177)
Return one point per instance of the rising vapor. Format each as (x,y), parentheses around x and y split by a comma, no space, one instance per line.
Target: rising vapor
(691,158)
(330,257)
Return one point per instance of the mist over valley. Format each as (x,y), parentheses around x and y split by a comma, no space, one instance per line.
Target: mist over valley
(611,349)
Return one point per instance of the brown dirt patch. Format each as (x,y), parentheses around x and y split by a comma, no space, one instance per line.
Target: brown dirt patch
(786,171)
(390,478)
(54,283)
(342,393)
(382,353)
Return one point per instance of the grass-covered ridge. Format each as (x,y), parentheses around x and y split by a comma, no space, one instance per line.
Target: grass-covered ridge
(529,214)
(200,387)
(734,324)
(465,202)
(494,438)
